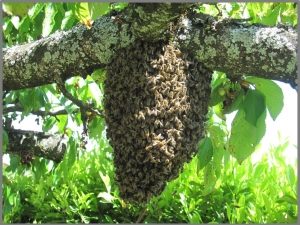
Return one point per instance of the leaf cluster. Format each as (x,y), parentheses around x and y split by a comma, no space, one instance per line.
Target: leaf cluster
(81,189)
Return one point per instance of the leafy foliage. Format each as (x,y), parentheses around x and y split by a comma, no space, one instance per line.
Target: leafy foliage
(251,98)
(245,136)
(69,192)
(268,13)
(215,187)
(272,93)
(205,152)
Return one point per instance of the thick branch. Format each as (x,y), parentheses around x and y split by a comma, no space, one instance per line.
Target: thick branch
(233,48)
(150,21)
(63,54)
(33,143)
(238,49)
(80,50)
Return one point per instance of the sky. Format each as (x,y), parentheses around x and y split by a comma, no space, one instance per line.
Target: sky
(284,128)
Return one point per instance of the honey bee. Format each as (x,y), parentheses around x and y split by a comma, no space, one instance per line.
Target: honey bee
(158,123)
(141,116)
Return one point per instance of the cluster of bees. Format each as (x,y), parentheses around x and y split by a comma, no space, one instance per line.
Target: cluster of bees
(155,103)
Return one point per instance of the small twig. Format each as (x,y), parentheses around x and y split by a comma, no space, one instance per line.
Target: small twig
(19,108)
(219,11)
(83,106)
(142,215)
(40,134)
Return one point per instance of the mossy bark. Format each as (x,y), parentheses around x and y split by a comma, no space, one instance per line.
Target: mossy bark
(241,49)
(28,144)
(236,49)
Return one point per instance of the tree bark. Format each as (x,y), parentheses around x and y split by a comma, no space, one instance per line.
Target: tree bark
(31,143)
(236,49)
(242,49)
(79,51)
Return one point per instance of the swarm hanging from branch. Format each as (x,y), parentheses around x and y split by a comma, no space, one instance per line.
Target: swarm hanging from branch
(155,107)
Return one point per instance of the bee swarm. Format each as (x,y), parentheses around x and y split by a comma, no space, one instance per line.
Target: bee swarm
(155,107)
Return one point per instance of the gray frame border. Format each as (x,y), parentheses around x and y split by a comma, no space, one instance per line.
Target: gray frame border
(143,1)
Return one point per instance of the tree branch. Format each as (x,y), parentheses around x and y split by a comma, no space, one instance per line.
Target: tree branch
(150,21)
(230,47)
(242,49)
(64,54)
(83,106)
(81,50)
(34,143)
(19,108)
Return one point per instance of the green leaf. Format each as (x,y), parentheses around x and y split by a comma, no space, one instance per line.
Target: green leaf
(254,105)
(210,179)
(218,78)
(96,127)
(49,21)
(99,75)
(219,87)
(217,160)
(272,92)
(68,20)
(106,181)
(237,102)
(272,17)
(5,140)
(287,198)
(288,13)
(215,96)
(39,168)
(7,28)
(218,110)
(107,197)
(24,25)
(48,124)
(14,163)
(16,21)
(81,10)
(98,9)
(260,169)
(195,218)
(217,135)
(205,152)
(17,9)
(35,10)
(218,138)
(290,174)
(119,6)
(72,152)
(245,136)
(37,25)
(31,99)
(63,121)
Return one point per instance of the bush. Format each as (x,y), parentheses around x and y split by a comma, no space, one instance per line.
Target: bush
(84,191)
